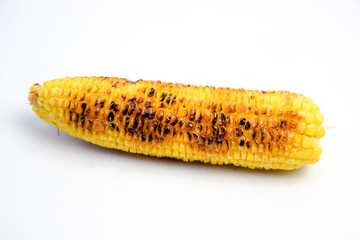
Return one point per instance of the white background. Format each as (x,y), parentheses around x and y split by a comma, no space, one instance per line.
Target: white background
(59,187)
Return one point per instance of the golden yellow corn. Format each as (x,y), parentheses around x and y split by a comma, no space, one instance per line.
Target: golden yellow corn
(254,129)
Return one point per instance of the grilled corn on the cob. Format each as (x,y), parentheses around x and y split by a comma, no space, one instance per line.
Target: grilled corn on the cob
(254,129)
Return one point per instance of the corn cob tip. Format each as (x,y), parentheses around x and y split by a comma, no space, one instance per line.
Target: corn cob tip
(33,94)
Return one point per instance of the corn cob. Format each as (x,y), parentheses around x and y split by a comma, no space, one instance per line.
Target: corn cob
(254,129)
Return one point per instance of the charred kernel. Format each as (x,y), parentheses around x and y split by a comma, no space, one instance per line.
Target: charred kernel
(102,103)
(242,122)
(262,134)
(162,105)
(209,141)
(163,96)
(242,142)
(126,108)
(132,108)
(174,122)
(215,117)
(189,135)
(131,131)
(143,137)
(150,138)
(138,113)
(117,129)
(199,127)
(70,115)
(227,143)
(82,119)
(88,111)
(203,139)
(169,98)
(132,99)
(83,106)
(167,120)
(222,132)
(254,135)
(155,124)
(135,123)
(160,115)
(222,117)
(195,136)
(189,125)
(111,116)
(142,124)
(148,104)
(166,129)
(112,104)
(112,126)
(96,101)
(146,113)
(181,123)
(174,100)
(283,124)
(216,130)
(218,141)
(160,128)
(247,126)
(77,117)
(239,132)
(151,93)
(174,133)
(127,121)
(248,144)
(140,101)
(152,115)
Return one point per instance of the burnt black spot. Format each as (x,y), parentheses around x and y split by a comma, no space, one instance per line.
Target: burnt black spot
(160,128)
(111,116)
(181,123)
(203,139)
(174,122)
(132,99)
(248,144)
(132,108)
(150,138)
(82,119)
(199,127)
(151,93)
(102,103)
(209,141)
(83,106)
(142,124)
(112,126)
(140,101)
(169,98)
(242,122)
(166,129)
(146,113)
(117,129)
(70,115)
(222,132)
(174,100)
(247,126)
(96,102)
(135,123)
(222,117)
(77,117)
(88,111)
(112,105)
(162,105)
(239,132)
(218,141)
(215,118)
(283,124)
(163,96)
(125,110)
(227,143)
(242,142)
(143,137)
(127,120)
